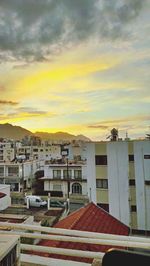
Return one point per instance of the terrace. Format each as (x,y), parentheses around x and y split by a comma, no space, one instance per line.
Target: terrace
(32,254)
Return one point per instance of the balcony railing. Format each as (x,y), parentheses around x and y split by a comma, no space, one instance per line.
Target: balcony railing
(71,236)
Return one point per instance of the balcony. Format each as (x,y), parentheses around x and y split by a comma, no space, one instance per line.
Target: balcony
(58,234)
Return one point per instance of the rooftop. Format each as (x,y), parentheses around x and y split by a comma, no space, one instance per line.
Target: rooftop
(90,218)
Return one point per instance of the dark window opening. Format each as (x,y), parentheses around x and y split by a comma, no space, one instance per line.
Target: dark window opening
(132,182)
(101,159)
(131,158)
(147,182)
(146,156)
(133,208)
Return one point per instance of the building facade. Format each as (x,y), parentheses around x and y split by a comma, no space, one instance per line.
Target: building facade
(65,179)
(119,180)
(18,175)
(5,199)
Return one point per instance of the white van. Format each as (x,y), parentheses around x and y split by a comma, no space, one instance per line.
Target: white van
(35,201)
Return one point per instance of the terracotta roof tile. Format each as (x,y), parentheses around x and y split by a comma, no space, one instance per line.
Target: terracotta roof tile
(89,218)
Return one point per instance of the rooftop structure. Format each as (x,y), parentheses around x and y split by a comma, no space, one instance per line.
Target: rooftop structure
(9,250)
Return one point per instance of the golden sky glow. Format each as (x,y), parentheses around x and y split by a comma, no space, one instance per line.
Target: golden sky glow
(83,85)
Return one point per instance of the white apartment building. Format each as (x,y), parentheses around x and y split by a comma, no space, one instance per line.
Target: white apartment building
(61,179)
(18,175)
(7,152)
(40,152)
(118,179)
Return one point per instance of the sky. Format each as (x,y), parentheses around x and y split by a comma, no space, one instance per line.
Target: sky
(77,66)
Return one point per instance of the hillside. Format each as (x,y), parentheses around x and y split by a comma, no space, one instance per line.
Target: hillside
(60,136)
(17,133)
(13,132)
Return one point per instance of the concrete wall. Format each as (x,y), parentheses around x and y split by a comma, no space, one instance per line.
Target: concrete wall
(91,172)
(5,202)
(117,158)
(142,173)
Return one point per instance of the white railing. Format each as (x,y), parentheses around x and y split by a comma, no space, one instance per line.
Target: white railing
(72,236)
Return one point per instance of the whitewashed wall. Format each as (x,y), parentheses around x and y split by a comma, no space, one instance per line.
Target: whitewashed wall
(117,160)
(5,202)
(142,173)
(91,172)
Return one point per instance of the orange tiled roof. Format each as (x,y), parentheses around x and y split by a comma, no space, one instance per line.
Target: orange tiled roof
(89,218)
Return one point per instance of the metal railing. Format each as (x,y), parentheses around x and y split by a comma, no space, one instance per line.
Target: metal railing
(67,235)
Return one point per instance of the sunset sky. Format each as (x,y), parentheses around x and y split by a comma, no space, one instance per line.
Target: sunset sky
(78,66)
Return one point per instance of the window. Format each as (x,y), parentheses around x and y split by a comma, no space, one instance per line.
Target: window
(13,171)
(131,182)
(133,208)
(147,182)
(57,187)
(146,156)
(101,159)
(131,158)
(1,171)
(76,188)
(67,173)
(57,174)
(102,183)
(14,187)
(77,174)
(37,200)
(35,150)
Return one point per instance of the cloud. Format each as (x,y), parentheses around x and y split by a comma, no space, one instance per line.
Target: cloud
(30,110)
(3,102)
(25,113)
(98,126)
(32,30)
(122,122)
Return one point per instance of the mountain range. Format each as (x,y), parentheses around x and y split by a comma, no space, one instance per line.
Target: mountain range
(9,131)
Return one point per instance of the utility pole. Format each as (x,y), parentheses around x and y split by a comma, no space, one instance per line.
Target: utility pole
(64,153)
(22,165)
(68,181)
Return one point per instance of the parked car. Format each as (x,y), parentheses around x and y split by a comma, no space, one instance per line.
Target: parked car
(35,201)
(56,204)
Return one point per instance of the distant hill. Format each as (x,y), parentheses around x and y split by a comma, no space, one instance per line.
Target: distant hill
(60,136)
(9,131)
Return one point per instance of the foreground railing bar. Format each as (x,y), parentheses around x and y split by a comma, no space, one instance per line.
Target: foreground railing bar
(63,251)
(82,240)
(29,259)
(52,230)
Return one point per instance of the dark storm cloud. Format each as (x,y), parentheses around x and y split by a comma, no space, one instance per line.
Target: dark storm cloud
(34,29)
